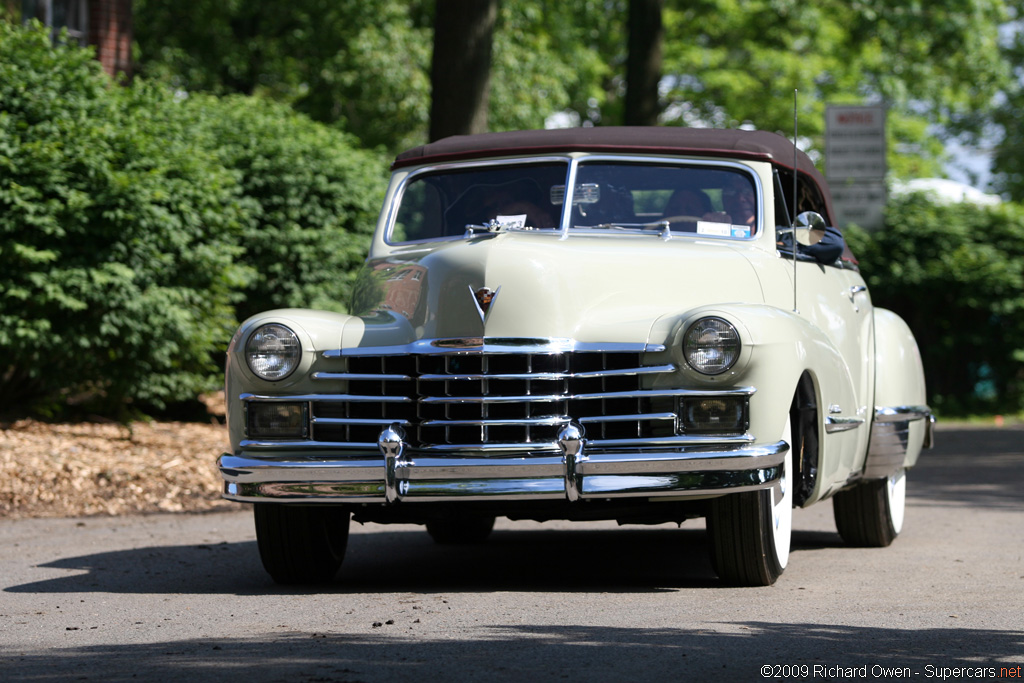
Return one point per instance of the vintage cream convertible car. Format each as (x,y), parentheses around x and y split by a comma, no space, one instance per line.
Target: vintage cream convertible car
(584,324)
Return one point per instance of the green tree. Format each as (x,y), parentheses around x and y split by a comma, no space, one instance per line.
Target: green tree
(137,223)
(1008,162)
(118,232)
(363,66)
(460,72)
(955,273)
(310,200)
(934,64)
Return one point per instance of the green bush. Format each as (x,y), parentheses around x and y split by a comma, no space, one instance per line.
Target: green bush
(955,273)
(311,201)
(136,225)
(117,235)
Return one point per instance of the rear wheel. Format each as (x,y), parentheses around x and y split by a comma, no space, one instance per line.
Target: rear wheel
(301,544)
(461,530)
(871,513)
(750,532)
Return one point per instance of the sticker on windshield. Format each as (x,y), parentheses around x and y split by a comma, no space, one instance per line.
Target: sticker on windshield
(517,221)
(741,231)
(714,229)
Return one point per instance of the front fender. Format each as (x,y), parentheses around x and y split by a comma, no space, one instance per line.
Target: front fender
(778,348)
(318,331)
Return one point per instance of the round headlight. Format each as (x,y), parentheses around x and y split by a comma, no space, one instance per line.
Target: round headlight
(273,351)
(711,346)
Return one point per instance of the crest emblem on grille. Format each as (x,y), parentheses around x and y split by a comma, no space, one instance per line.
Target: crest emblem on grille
(484,299)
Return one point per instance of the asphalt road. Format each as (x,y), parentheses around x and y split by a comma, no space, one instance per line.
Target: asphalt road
(184,598)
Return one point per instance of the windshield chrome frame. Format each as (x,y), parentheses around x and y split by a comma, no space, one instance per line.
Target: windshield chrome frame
(573,161)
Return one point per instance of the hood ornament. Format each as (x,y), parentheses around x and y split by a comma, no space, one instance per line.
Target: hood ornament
(484,299)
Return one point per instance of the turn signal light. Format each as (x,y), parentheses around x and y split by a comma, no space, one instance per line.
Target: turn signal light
(726,415)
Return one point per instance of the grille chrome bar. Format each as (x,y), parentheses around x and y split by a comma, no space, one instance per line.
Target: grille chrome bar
(629,418)
(357,421)
(544,421)
(499,396)
(649,393)
(355,376)
(326,397)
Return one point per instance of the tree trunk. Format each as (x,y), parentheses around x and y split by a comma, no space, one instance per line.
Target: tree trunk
(643,65)
(460,72)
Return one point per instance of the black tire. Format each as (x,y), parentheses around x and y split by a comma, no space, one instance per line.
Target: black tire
(870,515)
(749,547)
(460,531)
(301,544)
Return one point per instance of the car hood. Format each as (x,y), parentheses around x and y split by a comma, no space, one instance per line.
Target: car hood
(587,288)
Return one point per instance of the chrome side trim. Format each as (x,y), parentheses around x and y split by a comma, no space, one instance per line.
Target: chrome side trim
(897,413)
(842,424)
(890,438)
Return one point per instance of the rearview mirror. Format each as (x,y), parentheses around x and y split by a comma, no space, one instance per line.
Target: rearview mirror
(809,228)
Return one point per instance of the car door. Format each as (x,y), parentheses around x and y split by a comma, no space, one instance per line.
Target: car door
(834,298)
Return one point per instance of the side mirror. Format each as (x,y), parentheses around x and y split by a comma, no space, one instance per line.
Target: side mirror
(809,228)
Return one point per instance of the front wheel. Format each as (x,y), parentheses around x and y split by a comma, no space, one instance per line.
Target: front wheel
(870,514)
(301,544)
(750,532)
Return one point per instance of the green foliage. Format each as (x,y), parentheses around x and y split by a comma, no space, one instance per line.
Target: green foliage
(135,225)
(116,234)
(311,201)
(955,273)
(1008,162)
(734,62)
(363,66)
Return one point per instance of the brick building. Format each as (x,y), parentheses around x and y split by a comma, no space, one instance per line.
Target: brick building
(106,24)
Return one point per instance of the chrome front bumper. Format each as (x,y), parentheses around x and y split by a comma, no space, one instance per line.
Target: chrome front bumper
(577,473)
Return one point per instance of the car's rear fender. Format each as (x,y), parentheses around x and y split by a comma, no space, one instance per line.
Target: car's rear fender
(902,421)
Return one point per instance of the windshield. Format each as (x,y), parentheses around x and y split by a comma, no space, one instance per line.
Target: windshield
(447,203)
(704,199)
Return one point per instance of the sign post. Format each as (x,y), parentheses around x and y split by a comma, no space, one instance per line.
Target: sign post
(855,149)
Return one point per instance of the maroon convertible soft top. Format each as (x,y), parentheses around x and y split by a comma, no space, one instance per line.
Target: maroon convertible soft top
(754,145)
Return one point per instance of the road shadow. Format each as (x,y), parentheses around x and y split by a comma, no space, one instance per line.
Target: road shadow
(629,559)
(970,467)
(407,650)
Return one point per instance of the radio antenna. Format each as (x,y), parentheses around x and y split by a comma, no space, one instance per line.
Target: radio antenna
(792,218)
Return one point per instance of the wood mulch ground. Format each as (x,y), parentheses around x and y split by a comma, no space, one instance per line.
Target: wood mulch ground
(71,470)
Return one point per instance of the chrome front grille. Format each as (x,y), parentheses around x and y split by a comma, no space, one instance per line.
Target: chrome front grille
(486,399)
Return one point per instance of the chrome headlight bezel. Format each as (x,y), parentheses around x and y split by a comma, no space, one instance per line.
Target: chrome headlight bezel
(711,345)
(273,352)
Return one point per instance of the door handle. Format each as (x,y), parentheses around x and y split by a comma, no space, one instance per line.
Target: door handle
(854,291)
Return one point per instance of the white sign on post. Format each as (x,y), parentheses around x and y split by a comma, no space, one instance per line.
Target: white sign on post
(855,150)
